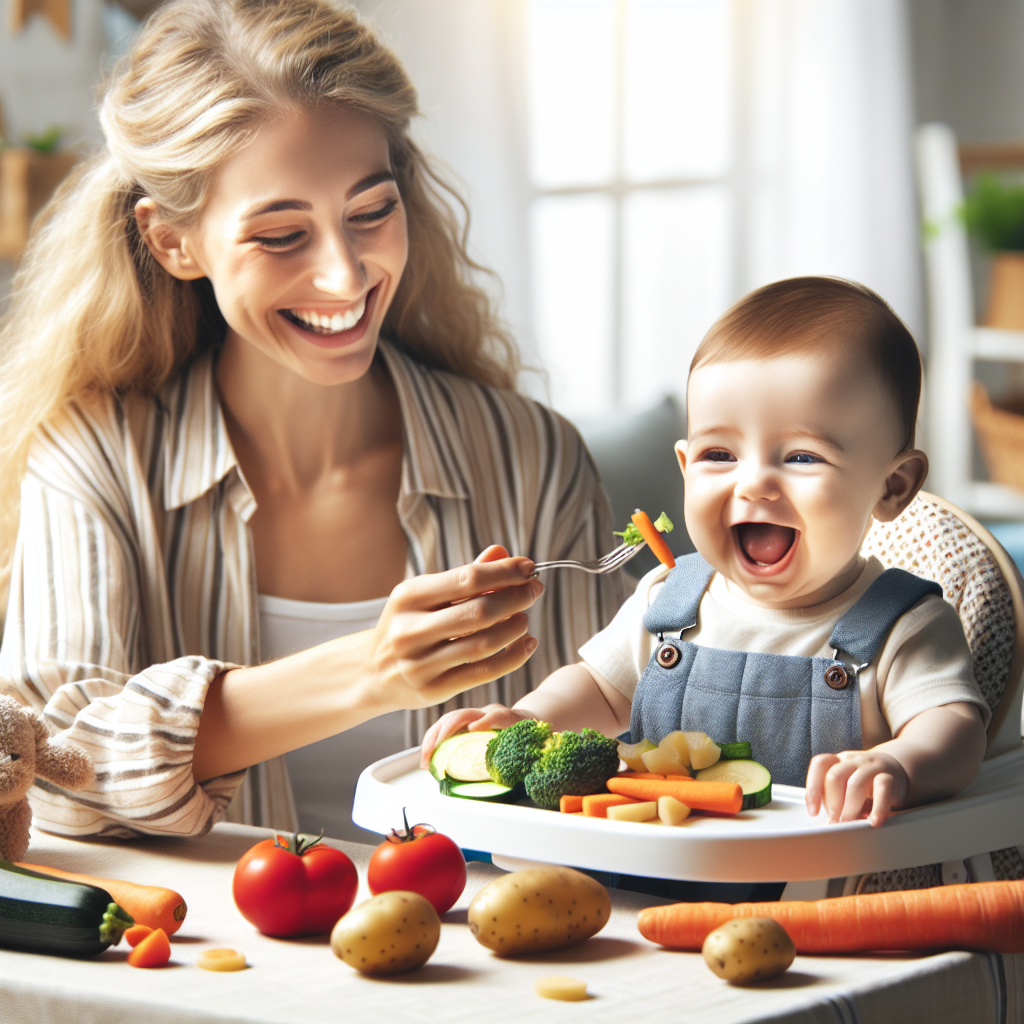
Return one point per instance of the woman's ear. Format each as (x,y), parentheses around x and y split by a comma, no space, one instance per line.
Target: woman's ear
(681,449)
(166,242)
(905,478)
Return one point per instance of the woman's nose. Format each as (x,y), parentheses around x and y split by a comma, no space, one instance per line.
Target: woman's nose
(339,270)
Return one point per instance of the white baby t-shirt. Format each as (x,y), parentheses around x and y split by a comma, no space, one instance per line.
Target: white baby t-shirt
(924,663)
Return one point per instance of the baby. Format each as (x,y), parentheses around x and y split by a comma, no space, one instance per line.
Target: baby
(857,682)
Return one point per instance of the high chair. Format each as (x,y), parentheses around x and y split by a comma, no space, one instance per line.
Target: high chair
(933,539)
(936,540)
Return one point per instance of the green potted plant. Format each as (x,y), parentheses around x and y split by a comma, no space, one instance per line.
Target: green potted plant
(994,214)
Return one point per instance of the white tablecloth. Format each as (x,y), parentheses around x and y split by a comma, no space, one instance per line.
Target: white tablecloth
(300,981)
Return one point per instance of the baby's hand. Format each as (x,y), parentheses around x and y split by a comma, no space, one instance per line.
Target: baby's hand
(849,782)
(493,716)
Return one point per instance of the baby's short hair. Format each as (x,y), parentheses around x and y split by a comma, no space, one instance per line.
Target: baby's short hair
(805,314)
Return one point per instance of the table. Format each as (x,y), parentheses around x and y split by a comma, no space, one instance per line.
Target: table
(300,981)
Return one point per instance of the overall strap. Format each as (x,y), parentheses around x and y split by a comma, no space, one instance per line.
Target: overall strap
(676,606)
(863,629)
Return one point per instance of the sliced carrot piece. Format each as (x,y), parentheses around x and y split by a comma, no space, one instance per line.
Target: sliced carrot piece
(649,532)
(570,804)
(153,951)
(596,805)
(134,935)
(723,797)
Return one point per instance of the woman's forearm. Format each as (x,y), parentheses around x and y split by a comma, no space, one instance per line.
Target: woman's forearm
(438,635)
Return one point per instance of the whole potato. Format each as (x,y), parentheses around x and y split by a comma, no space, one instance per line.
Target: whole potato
(388,934)
(539,909)
(749,949)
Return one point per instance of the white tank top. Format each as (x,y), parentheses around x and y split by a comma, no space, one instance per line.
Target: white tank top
(288,626)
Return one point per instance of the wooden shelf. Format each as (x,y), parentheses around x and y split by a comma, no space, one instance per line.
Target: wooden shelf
(994,501)
(998,346)
(27,180)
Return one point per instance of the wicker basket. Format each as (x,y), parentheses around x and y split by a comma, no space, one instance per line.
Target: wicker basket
(1000,437)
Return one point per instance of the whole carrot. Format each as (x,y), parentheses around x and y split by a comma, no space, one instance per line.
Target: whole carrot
(724,797)
(150,905)
(986,916)
(649,532)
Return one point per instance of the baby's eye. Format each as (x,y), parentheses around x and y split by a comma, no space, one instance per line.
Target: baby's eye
(718,455)
(803,458)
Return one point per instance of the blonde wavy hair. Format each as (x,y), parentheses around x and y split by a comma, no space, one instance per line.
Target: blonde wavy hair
(93,311)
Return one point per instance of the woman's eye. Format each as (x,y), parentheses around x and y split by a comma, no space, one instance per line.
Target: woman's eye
(279,241)
(718,455)
(374,215)
(802,458)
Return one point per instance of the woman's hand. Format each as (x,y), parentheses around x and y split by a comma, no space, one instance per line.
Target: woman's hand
(443,633)
(845,783)
(493,716)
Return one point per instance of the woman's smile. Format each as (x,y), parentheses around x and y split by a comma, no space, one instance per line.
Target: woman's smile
(330,327)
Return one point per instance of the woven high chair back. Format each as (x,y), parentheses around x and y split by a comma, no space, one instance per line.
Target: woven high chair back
(938,541)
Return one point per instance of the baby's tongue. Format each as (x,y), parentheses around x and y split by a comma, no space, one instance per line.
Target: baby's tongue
(765,542)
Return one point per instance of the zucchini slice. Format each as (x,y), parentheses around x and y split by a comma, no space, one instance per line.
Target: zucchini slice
(492,792)
(51,915)
(463,757)
(755,780)
(736,751)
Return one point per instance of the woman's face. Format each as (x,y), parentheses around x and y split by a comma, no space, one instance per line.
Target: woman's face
(303,237)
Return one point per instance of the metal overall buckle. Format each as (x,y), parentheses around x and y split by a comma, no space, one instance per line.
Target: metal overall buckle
(846,670)
(667,654)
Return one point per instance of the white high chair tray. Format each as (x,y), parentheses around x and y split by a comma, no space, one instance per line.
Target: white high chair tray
(776,843)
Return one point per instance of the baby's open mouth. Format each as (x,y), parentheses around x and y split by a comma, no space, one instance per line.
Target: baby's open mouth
(764,543)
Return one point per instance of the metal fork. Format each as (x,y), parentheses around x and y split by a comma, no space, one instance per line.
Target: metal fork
(606,563)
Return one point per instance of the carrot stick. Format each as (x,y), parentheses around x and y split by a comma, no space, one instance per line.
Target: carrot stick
(649,532)
(151,905)
(639,775)
(725,797)
(570,804)
(596,805)
(153,951)
(986,916)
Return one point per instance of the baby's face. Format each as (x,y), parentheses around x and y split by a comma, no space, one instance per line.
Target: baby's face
(786,461)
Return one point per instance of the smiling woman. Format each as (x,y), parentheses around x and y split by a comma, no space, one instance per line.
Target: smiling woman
(268,407)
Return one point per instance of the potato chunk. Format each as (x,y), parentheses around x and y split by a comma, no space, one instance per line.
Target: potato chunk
(748,949)
(391,933)
(556,986)
(538,909)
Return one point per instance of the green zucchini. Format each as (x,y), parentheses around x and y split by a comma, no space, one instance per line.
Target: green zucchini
(51,915)
(492,792)
(463,757)
(735,751)
(755,780)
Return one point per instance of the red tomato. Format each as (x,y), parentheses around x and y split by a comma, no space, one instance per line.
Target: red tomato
(294,887)
(418,859)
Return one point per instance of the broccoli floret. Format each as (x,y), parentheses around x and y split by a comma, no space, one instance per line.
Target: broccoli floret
(512,753)
(631,536)
(573,763)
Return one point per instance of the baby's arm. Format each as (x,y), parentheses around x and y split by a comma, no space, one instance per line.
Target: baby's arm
(936,754)
(571,698)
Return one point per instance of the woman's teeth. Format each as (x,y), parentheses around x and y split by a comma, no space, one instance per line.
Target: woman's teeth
(333,323)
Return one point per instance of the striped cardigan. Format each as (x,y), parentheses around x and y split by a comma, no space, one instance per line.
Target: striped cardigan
(134,580)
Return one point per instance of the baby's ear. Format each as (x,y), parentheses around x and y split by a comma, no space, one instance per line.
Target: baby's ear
(904,479)
(681,450)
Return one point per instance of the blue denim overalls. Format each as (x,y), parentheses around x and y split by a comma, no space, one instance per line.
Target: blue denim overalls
(789,708)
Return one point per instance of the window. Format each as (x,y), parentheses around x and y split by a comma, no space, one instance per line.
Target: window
(632,217)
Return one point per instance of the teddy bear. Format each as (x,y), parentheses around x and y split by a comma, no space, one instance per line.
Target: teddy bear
(26,751)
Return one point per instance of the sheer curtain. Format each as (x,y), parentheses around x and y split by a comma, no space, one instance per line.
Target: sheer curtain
(824,175)
(818,180)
